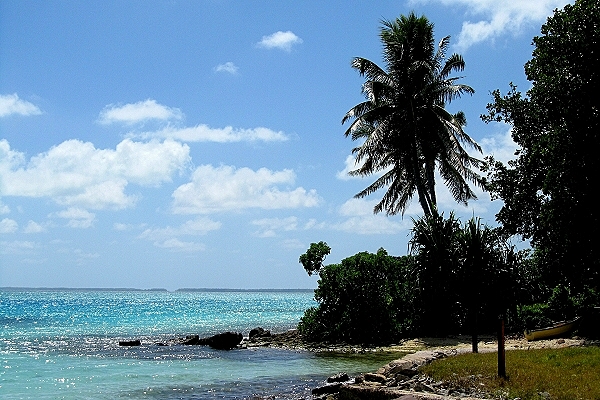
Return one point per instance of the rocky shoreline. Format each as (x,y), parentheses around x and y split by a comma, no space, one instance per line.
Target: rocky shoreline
(399,379)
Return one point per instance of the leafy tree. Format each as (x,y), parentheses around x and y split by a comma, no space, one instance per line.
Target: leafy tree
(362,300)
(488,264)
(404,127)
(464,275)
(549,190)
(434,247)
(312,260)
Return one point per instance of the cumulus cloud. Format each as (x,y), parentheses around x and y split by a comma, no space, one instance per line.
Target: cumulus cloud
(34,227)
(76,174)
(204,133)
(280,40)
(351,165)
(170,237)
(11,104)
(141,111)
(359,219)
(269,226)
(228,67)
(498,17)
(77,217)
(501,146)
(16,247)
(225,188)
(8,225)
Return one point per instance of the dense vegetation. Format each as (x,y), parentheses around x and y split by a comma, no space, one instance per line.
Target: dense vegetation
(459,276)
(549,190)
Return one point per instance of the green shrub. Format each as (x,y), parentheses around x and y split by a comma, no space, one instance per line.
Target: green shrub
(534,316)
(362,300)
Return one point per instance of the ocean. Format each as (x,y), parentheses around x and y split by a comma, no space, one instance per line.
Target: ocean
(63,344)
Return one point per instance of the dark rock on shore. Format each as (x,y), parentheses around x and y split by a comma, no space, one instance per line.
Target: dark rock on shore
(341,377)
(259,333)
(130,343)
(262,338)
(223,341)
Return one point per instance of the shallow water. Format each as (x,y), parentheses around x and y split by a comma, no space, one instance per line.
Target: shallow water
(64,345)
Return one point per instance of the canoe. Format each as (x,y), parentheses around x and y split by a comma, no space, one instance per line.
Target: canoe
(557,330)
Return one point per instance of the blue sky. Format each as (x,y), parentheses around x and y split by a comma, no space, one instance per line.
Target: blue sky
(199,144)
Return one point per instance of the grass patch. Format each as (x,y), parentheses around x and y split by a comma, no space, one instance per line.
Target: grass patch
(557,374)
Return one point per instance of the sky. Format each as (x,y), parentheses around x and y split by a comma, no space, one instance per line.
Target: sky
(198,144)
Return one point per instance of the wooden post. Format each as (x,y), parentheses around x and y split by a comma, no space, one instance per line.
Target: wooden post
(474,337)
(501,353)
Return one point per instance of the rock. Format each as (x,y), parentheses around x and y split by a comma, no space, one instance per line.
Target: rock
(399,371)
(258,333)
(222,341)
(341,377)
(370,377)
(130,343)
(327,389)
(356,392)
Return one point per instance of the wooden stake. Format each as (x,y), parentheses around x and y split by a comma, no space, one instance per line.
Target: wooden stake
(501,353)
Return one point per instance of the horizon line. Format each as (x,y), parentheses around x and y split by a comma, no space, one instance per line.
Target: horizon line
(125,289)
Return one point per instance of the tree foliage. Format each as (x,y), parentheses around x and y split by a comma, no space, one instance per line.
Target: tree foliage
(361,300)
(465,274)
(549,190)
(312,260)
(458,279)
(403,126)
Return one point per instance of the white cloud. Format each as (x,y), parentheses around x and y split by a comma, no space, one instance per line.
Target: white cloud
(199,226)
(34,227)
(225,188)
(280,40)
(349,165)
(77,217)
(82,257)
(16,247)
(498,17)
(228,67)
(75,173)
(204,133)
(361,220)
(8,226)
(269,226)
(141,111)
(293,244)
(169,237)
(175,244)
(501,146)
(11,104)
(4,209)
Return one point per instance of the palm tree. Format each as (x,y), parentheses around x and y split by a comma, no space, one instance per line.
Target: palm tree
(403,125)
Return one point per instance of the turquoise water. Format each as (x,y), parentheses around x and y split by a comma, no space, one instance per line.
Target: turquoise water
(64,345)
